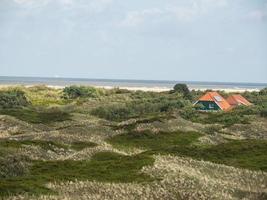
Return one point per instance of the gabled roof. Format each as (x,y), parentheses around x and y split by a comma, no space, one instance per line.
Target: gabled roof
(217,98)
(237,99)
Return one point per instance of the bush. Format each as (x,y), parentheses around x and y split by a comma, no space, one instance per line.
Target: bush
(13,98)
(73,92)
(263,91)
(183,89)
(113,113)
(263,112)
(189,113)
(119,112)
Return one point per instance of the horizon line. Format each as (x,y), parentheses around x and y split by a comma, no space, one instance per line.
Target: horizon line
(132,80)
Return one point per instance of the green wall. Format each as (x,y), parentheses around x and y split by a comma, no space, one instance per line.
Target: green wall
(205,105)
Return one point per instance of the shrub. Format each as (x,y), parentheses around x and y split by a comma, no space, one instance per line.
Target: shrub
(73,92)
(13,98)
(263,112)
(189,113)
(119,112)
(114,112)
(263,91)
(183,89)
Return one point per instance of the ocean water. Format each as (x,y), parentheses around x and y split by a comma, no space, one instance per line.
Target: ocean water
(8,80)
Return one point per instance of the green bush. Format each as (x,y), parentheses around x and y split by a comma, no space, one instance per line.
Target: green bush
(120,112)
(73,92)
(189,113)
(183,89)
(263,112)
(263,92)
(13,98)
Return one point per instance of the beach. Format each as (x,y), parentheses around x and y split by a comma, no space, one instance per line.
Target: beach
(140,88)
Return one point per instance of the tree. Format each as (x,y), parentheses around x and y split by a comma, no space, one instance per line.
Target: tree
(183,89)
(263,91)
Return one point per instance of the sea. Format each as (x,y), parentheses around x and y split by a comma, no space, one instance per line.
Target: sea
(61,82)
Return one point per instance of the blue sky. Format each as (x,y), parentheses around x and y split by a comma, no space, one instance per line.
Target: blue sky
(193,40)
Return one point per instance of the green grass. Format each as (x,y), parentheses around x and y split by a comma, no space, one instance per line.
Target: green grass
(250,154)
(103,167)
(36,117)
(81,145)
(149,140)
(47,145)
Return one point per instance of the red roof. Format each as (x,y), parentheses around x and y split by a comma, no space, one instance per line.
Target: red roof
(217,98)
(237,99)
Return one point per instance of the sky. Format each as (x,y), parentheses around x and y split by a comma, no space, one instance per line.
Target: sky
(186,40)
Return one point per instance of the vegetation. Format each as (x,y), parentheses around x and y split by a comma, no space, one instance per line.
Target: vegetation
(183,89)
(13,98)
(250,154)
(176,141)
(33,115)
(148,140)
(47,145)
(104,166)
(120,112)
(73,92)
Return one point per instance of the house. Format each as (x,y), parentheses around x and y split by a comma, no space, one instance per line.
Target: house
(237,100)
(212,101)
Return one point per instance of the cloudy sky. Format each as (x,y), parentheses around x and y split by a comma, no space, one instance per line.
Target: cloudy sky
(199,40)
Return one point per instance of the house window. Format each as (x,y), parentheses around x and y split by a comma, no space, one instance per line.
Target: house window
(211,106)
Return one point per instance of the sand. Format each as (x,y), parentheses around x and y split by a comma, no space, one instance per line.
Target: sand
(150,89)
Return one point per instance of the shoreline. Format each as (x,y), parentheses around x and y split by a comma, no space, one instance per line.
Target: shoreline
(139,88)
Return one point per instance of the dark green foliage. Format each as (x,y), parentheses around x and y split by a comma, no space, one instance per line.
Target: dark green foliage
(148,119)
(263,112)
(12,99)
(33,116)
(225,118)
(189,113)
(263,92)
(104,167)
(239,115)
(120,112)
(47,145)
(257,98)
(73,92)
(250,154)
(183,89)
(149,140)
(79,145)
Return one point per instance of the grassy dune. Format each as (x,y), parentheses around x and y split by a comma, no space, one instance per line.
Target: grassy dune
(110,144)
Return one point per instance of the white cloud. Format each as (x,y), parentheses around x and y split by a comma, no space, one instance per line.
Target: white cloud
(93,4)
(186,13)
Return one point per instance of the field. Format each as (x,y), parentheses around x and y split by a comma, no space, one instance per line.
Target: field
(87,143)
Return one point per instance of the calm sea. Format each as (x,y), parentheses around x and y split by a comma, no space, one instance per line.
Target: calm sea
(7,80)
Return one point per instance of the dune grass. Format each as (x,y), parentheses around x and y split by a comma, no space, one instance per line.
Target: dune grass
(37,117)
(250,154)
(79,145)
(47,145)
(149,140)
(103,167)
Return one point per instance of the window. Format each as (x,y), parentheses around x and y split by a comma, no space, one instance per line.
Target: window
(218,98)
(211,106)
